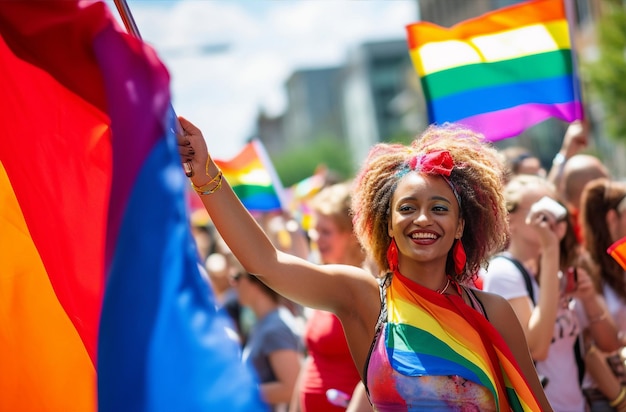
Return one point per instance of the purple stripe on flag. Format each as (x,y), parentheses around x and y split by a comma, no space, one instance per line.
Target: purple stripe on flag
(512,122)
(137,87)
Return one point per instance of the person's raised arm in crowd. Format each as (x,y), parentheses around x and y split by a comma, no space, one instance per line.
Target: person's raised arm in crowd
(575,140)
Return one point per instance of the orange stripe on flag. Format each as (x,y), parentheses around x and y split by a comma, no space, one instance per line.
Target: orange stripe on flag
(44,343)
(522,14)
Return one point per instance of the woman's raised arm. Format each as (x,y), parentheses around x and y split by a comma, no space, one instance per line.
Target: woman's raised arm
(328,287)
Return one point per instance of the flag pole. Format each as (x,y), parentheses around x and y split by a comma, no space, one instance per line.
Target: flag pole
(127,18)
(570,15)
(131,27)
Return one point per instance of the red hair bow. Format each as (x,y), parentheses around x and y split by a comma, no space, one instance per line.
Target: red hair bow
(436,162)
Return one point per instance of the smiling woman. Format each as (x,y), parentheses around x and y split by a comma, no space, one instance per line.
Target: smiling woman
(429,215)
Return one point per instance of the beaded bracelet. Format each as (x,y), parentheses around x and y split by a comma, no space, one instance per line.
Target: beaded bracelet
(620,397)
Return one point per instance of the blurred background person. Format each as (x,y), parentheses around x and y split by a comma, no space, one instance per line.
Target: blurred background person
(329,364)
(603,218)
(221,267)
(273,347)
(530,275)
(577,172)
(520,161)
(575,140)
(572,169)
(203,233)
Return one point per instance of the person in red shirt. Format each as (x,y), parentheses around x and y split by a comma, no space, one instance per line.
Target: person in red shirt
(329,364)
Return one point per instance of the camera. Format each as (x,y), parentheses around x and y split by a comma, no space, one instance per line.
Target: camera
(551,206)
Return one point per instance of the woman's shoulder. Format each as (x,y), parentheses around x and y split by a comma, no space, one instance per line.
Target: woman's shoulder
(496,306)
(501,315)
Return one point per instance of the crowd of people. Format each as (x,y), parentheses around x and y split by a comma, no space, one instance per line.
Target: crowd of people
(446,275)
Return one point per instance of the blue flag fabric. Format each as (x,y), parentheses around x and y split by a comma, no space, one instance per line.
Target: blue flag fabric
(163,346)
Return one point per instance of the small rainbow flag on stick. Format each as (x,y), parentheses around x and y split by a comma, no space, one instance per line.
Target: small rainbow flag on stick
(254,179)
(499,73)
(618,252)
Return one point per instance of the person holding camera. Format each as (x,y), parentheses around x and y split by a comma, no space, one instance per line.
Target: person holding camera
(538,275)
(603,218)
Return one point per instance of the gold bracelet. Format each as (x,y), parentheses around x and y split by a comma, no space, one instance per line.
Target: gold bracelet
(620,397)
(208,184)
(203,190)
(598,318)
(213,180)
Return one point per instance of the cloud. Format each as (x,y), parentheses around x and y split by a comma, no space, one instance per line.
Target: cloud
(267,41)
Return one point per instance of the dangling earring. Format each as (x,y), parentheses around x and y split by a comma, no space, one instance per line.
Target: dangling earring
(459,256)
(392,255)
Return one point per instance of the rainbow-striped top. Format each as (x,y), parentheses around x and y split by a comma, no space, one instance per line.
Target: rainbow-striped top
(435,351)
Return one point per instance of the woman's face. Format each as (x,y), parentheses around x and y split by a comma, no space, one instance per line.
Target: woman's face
(332,242)
(521,231)
(424,220)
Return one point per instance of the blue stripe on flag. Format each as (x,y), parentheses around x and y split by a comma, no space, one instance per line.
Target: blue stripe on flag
(163,346)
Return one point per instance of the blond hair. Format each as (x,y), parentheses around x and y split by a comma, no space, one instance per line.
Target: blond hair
(334,201)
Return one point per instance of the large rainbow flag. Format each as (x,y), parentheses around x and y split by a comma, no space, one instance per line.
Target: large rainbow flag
(252,176)
(101,302)
(499,73)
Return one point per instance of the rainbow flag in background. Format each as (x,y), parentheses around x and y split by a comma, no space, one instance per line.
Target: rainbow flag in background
(102,305)
(499,73)
(300,194)
(254,179)
(618,252)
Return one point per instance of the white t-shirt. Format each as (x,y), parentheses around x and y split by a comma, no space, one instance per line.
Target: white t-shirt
(563,389)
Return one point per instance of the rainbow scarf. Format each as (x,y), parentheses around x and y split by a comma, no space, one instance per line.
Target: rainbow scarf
(450,338)
(499,73)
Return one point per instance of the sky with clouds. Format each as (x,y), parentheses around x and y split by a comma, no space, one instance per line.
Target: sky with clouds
(250,49)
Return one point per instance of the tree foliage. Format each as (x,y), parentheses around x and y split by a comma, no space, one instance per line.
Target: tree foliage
(297,164)
(606,75)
